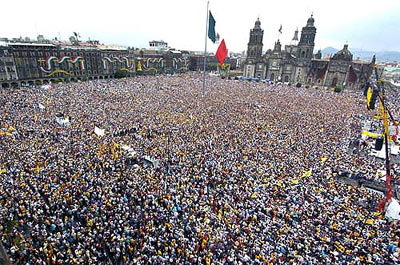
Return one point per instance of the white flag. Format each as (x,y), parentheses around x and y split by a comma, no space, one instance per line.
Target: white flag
(98,131)
(63,121)
(41,106)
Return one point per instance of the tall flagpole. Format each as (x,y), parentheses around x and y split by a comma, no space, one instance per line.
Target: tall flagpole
(205,56)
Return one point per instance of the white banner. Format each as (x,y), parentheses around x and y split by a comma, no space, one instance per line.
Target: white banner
(63,121)
(98,131)
(393,210)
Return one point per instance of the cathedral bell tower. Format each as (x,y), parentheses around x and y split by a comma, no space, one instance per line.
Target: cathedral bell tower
(306,43)
(255,45)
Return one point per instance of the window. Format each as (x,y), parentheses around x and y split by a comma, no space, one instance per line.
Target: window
(286,78)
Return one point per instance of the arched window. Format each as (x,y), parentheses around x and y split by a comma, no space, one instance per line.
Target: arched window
(272,77)
(302,54)
(286,78)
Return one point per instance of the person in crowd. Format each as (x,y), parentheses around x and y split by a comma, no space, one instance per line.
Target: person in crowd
(245,175)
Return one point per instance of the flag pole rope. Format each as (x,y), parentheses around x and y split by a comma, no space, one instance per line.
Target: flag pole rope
(205,56)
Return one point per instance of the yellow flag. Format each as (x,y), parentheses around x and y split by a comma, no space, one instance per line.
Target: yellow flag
(3,170)
(385,119)
(295,181)
(370,134)
(35,117)
(369,95)
(279,183)
(307,173)
(323,159)
(369,221)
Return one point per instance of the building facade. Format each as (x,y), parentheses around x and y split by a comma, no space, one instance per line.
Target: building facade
(158,45)
(162,61)
(36,63)
(7,66)
(196,63)
(297,63)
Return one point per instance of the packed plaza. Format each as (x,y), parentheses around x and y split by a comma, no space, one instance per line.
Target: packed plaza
(245,175)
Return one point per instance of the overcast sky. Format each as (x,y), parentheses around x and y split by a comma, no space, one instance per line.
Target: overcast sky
(369,25)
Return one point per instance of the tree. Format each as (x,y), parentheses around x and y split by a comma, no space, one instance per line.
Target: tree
(338,89)
(120,74)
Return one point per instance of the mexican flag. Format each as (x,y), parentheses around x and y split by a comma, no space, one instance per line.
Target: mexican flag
(211,27)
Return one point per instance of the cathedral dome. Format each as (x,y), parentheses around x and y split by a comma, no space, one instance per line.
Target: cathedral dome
(344,54)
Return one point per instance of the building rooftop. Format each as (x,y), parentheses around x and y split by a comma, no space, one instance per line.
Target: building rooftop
(30,44)
(360,62)
(80,45)
(321,60)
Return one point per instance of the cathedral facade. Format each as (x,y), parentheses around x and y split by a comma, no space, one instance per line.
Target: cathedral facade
(297,63)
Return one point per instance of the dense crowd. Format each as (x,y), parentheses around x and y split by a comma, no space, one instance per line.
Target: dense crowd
(245,175)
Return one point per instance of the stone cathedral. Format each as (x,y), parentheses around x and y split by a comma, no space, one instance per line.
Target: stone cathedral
(297,63)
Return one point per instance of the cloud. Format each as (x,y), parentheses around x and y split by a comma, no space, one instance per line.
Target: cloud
(181,23)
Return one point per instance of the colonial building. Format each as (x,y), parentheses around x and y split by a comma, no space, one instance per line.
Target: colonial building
(255,64)
(297,63)
(196,63)
(162,61)
(158,45)
(7,65)
(36,63)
